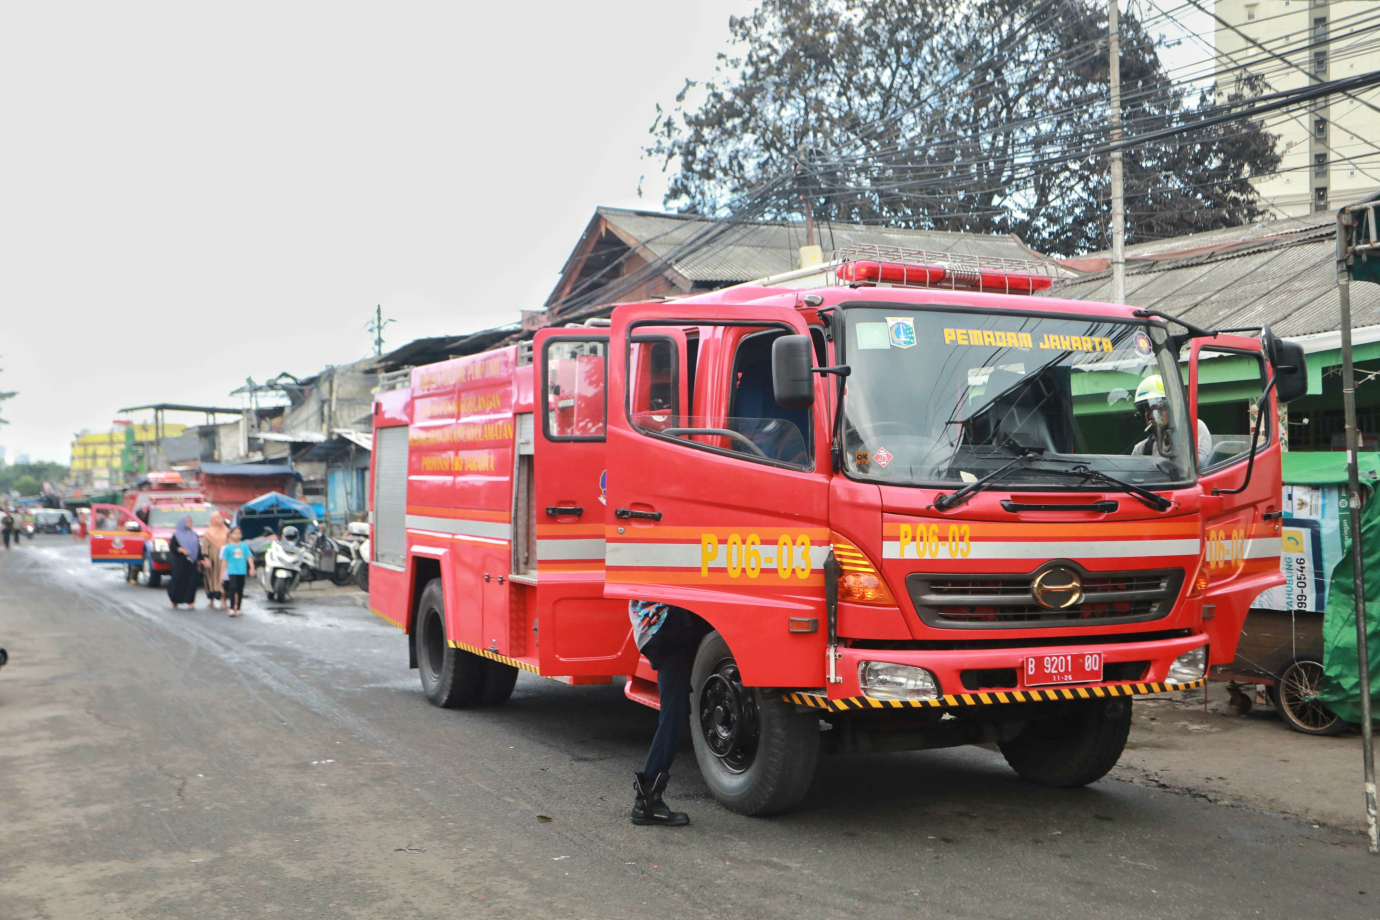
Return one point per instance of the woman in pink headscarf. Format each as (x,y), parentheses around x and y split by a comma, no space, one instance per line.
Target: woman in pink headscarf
(212,566)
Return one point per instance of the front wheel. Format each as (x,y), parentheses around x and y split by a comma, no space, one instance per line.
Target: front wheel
(147,574)
(362,576)
(280,589)
(1295,695)
(452,678)
(757,754)
(342,575)
(1077,744)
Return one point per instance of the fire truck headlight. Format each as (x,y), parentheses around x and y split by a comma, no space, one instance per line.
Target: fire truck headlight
(160,546)
(1188,667)
(883,681)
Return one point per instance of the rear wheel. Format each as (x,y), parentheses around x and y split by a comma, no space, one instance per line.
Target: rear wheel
(341,576)
(362,576)
(452,678)
(497,685)
(1077,744)
(757,754)
(1295,695)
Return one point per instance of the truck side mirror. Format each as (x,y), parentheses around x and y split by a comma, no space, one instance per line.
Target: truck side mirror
(1289,365)
(792,377)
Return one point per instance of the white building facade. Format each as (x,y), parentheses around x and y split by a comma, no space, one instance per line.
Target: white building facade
(1331,151)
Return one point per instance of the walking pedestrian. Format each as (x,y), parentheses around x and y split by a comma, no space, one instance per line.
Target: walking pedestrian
(215,538)
(186,549)
(239,562)
(669,637)
(7,528)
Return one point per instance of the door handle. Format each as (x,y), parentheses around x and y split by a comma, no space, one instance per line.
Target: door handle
(1274,515)
(557,511)
(626,513)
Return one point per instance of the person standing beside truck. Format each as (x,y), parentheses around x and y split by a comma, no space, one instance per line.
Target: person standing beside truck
(668,637)
(7,528)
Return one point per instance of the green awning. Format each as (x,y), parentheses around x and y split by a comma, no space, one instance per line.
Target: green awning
(1327,467)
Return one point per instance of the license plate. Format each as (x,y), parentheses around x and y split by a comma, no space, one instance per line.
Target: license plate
(1044,670)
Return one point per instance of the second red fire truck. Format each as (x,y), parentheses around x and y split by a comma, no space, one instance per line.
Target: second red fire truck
(916,508)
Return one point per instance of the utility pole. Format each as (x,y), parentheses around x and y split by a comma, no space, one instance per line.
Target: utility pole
(1347,219)
(376,326)
(1118,197)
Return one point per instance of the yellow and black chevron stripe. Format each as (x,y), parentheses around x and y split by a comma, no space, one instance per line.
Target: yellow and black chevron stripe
(495,656)
(817,700)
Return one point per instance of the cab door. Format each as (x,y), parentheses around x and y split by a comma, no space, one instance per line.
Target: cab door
(578,630)
(112,542)
(718,501)
(1241,529)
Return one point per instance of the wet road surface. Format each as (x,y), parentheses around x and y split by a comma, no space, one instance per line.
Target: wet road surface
(160,763)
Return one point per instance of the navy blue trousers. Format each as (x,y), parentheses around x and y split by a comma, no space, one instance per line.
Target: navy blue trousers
(673,683)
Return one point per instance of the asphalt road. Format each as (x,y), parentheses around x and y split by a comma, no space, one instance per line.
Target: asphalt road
(285,764)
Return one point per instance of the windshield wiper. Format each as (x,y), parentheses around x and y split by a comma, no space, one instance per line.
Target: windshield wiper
(1150,499)
(958,497)
(1082,471)
(1087,473)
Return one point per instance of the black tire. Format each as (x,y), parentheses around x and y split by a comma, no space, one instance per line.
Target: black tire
(280,588)
(1294,692)
(755,751)
(451,678)
(1079,742)
(362,577)
(341,576)
(497,685)
(150,578)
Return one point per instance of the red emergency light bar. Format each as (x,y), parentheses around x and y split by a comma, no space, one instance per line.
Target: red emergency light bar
(869,271)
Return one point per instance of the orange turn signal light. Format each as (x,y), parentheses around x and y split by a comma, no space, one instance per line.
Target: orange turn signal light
(859,580)
(1199,585)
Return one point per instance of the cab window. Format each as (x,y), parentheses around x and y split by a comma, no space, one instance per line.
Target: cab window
(573,373)
(1229,387)
(750,425)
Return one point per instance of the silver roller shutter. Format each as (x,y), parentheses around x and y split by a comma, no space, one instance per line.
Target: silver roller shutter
(390,496)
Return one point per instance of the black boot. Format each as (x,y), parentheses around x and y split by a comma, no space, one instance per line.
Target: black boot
(648,807)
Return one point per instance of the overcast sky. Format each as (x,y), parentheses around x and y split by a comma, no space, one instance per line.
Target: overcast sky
(195,193)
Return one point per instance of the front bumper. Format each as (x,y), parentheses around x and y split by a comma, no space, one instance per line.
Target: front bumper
(948,667)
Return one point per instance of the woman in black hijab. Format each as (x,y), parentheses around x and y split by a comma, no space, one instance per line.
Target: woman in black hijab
(186,547)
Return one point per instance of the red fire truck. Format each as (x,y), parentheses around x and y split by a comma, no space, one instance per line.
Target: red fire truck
(916,508)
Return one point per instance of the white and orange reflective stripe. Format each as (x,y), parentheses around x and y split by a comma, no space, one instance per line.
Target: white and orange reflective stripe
(927,539)
(460,523)
(570,548)
(746,556)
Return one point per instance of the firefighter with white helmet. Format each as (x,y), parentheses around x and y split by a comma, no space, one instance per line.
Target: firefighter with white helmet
(1154,407)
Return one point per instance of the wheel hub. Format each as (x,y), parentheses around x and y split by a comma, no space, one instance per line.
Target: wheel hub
(728,718)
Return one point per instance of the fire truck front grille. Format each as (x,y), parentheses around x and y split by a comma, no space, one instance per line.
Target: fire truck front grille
(965,601)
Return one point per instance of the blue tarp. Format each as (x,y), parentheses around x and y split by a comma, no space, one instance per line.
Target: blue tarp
(277,503)
(272,509)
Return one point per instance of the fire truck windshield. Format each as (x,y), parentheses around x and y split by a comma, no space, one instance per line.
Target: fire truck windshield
(169,516)
(946,397)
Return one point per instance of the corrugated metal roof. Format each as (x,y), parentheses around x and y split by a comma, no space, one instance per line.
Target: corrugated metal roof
(1281,273)
(748,251)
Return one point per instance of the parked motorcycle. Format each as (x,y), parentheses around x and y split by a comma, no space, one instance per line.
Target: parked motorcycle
(355,544)
(364,552)
(284,561)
